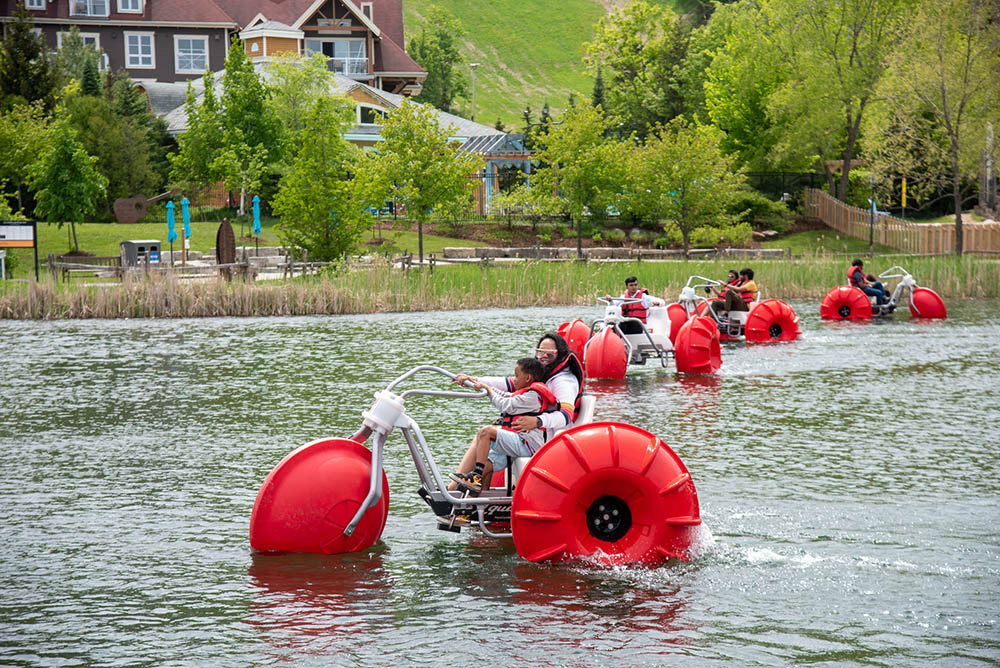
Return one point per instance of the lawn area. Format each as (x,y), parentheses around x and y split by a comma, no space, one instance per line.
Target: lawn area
(104,239)
(823,242)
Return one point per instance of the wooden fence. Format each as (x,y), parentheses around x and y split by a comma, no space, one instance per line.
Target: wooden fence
(919,238)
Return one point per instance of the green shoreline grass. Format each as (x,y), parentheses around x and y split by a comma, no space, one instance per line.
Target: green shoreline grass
(499,285)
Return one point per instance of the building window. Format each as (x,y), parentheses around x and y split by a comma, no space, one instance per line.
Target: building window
(34,4)
(88,8)
(130,6)
(190,53)
(139,50)
(370,115)
(346,56)
(89,39)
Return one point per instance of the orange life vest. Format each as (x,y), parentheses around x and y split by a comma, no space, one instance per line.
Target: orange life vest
(860,281)
(549,404)
(747,296)
(634,309)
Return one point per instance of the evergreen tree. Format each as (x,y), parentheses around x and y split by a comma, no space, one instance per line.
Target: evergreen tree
(127,101)
(91,80)
(499,125)
(25,72)
(571,102)
(598,98)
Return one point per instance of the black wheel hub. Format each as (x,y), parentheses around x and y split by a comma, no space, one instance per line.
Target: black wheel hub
(608,518)
(775,331)
(844,311)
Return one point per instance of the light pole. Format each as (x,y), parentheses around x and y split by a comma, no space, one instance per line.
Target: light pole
(871,217)
(473,66)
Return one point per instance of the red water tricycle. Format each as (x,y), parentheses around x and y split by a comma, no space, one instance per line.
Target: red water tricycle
(766,320)
(607,492)
(846,302)
(613,343)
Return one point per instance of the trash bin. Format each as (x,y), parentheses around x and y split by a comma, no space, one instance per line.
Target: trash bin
(135,252)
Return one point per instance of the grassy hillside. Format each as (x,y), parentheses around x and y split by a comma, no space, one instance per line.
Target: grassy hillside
(529,52)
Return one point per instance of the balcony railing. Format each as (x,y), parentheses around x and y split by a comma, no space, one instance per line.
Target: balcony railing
(348,67)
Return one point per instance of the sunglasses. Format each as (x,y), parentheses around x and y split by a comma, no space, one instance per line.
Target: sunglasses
(542,352)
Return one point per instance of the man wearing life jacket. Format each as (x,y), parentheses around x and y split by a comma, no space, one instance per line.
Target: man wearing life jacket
(867,284)
(739,296)
(496,443)
(563,375)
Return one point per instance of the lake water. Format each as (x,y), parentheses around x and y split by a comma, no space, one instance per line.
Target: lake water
(848,487)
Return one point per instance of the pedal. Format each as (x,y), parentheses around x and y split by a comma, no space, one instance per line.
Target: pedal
(439,508)
(449,527)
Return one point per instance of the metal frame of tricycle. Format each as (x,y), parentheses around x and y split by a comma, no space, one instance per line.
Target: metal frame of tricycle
(388,412)
(661,354)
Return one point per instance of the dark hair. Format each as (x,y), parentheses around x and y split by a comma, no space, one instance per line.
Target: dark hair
(532,367)
(857,263)
(562,351)
(869,277)
(631,279)
(746,271)
(734,272)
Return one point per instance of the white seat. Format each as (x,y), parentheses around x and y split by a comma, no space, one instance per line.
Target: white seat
(583,416)
(656,321)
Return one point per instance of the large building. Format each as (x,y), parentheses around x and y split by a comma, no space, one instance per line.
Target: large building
(178,40)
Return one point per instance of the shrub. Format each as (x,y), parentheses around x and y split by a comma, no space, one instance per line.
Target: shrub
(615,236)
(761,212)
(661,242)
(596,236)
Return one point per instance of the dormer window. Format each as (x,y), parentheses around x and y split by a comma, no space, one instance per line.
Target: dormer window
(88,8)
(368,115)
(130,6)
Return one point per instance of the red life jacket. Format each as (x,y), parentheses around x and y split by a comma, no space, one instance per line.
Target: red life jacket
(549,404)
(634,309)
(732,284)
(747,296)
(860,281)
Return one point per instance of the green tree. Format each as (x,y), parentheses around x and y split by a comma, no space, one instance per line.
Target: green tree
(315,200)
(74,57)
(295,83)
(743,74)
(435,48)
(681,177)
(252,135)
(120,145)
(193,166)
(417,165)
(639,49)
(67,186)
(941,90)
(26,75)
(836,52)
(583,173)
(25,133)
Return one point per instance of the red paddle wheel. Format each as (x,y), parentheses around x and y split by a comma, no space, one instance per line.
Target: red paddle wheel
(605,491)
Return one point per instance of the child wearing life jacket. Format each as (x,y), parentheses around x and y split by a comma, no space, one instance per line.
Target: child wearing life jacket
(496,442)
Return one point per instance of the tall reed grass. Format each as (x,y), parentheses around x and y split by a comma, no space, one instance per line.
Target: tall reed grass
(498,285)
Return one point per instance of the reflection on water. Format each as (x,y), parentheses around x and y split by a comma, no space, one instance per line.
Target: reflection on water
(847,483)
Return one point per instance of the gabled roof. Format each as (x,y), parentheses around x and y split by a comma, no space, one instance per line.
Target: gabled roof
(461,128)
(351,7)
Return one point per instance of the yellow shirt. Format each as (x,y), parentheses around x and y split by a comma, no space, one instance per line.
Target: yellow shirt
(749,286)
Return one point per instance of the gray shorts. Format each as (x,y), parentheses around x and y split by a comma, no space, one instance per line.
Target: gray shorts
(508,444)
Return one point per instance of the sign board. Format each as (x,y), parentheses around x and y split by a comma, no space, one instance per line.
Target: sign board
(19,234)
